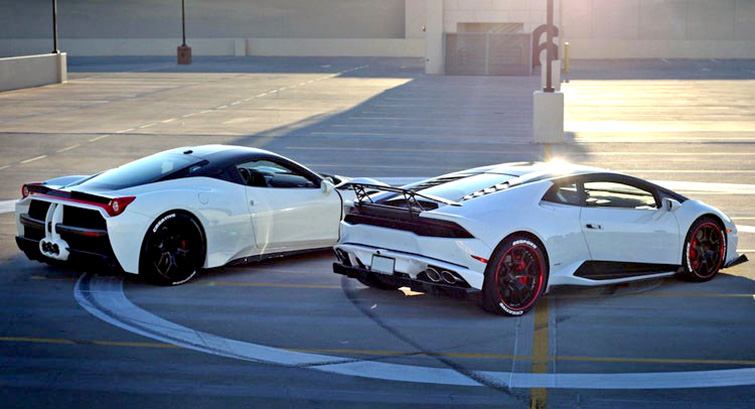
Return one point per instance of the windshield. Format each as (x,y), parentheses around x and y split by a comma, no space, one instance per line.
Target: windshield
(139,172)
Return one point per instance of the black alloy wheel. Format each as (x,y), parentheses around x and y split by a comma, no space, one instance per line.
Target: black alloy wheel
(173,249)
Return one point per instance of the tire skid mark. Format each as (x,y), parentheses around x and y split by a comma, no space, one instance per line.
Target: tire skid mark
(348,290)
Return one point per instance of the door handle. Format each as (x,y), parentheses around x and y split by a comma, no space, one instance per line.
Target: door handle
(594,226)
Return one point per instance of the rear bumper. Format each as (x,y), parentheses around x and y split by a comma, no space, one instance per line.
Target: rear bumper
(81,258)
(405,281)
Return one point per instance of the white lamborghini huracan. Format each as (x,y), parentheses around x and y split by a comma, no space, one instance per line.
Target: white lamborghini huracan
(508,232)
(169,214)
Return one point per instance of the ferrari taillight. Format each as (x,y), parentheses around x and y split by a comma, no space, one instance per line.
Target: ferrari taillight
(118,205)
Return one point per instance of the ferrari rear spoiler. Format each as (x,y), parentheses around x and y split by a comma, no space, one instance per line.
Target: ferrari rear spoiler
(64,194)
(411,198)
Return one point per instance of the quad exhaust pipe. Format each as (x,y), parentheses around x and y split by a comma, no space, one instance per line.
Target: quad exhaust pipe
(433,275)
(443,276)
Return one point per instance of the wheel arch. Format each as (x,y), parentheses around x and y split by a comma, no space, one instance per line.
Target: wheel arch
(534,237)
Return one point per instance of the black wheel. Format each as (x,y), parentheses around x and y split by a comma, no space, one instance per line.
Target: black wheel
(515,277)
(704,250)
(173,250)
(375,282)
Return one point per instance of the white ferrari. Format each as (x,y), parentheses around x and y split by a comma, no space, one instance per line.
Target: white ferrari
(508,232)
(167,215)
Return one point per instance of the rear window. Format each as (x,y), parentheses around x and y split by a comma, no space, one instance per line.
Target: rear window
(141,171)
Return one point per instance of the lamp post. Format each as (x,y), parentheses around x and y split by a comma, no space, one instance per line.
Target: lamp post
(55,49)
(549,49)
(184,51)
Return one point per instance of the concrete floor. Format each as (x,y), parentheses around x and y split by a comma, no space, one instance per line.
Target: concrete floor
(667,121)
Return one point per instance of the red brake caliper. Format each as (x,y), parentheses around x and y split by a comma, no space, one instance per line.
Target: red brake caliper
(520,267)
(693,254)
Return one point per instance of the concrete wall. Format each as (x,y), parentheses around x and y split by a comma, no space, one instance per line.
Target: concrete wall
(32,71)
(529,12)
(660,28)
(25,25)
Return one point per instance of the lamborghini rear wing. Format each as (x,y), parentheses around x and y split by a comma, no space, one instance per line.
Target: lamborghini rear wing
(411,198)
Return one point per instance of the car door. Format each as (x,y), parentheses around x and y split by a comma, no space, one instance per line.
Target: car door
(289,207)
(623,221)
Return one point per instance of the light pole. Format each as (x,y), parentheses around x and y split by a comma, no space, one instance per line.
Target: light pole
(183,22)
(549,49)
(55,49)
(184,51)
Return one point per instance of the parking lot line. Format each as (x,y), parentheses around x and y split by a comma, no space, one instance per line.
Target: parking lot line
(33,159)
(539,396)
(388,353)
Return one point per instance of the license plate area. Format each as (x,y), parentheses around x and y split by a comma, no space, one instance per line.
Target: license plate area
(383,265)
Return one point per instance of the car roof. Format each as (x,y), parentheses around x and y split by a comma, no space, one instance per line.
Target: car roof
(536,170)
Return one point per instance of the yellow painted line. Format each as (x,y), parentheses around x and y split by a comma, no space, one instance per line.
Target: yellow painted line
(135,344)
(33,159)
(403,353)
(657,360)
(468,355)
(101,137)
(68,148)
(691,295)
(274,285)
(540,358)
(37,340)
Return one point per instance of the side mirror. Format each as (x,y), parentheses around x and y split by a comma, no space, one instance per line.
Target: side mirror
(670,204)
(327,186)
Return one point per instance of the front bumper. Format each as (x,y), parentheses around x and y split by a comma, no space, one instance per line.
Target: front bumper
(400,280)
(737,261)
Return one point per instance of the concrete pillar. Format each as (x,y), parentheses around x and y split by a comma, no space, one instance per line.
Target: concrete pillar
(434,53)
(414,18)
(62,67)
(548,117)
(239,47)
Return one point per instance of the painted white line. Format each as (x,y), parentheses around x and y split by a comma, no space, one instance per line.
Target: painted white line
(745,229)
(188,115)
(33,159)
(68,148)
(282,89)
(104,298)
(301,83)
(4,167)
(205,111)
(169,120)
(273,91)
(98,138)
(7,206)
(147,126)
(235,103)
(125,130)
(262,95)
(222,107)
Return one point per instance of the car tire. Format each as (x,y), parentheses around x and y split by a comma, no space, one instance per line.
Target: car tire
(375,282)
(515,277)
(173,250)
(704,251)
